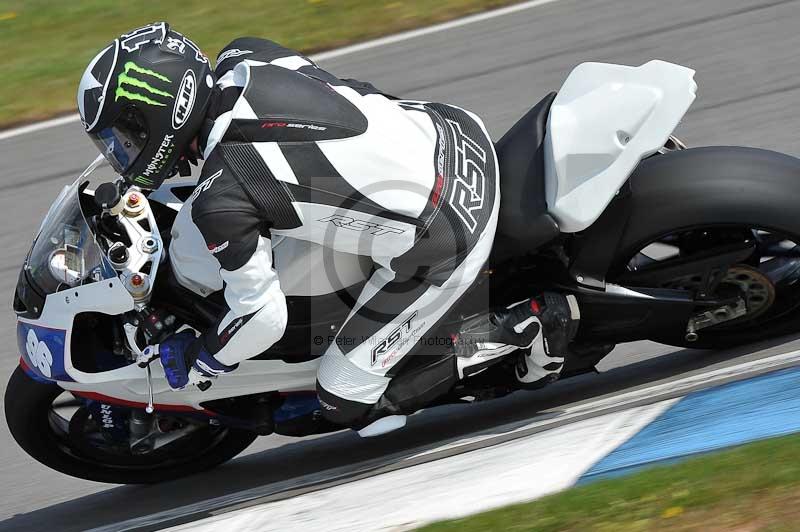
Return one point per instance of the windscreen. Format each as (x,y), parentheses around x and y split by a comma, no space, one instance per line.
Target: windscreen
(65,253)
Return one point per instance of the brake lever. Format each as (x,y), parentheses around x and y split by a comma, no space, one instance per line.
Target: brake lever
(150,408)
(143,357)
(143,360)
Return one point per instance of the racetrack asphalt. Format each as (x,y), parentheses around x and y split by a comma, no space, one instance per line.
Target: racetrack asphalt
(748,72)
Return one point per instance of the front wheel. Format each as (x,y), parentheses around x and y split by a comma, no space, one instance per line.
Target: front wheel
(90,441)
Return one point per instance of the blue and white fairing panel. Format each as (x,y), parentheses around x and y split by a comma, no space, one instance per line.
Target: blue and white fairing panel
(42,351)
(45,343)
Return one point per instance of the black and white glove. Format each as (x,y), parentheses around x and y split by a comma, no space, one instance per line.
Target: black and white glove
(186,362)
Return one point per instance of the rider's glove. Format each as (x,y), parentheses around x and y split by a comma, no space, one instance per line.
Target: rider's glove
(205,365)
(172,352)
(185,361)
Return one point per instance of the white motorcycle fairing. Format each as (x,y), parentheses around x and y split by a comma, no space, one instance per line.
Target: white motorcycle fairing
(605,119)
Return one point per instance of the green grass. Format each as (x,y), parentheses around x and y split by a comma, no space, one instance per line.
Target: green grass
(46,44)
(753,487)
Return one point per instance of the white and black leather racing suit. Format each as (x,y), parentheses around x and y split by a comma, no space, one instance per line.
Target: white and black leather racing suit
(294,151)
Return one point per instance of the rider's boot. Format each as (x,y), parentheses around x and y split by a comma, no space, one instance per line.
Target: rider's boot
(558,317)
(531,330)
(537,329)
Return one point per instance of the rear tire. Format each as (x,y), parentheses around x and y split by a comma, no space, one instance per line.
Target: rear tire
(27,407)
(714,187)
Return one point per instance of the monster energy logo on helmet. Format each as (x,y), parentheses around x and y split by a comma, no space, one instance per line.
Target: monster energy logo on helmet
(147,94)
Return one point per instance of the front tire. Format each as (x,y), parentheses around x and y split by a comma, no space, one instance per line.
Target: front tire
(28,406)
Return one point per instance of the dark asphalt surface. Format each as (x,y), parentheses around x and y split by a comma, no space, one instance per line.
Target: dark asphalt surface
(748,71)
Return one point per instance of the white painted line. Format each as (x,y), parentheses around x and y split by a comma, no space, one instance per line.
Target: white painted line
(332,54)
(449,488)
(38,126)
(413,34)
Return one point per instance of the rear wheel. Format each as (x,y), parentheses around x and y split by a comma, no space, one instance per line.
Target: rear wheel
(704,202)
(761,293)
(64,434)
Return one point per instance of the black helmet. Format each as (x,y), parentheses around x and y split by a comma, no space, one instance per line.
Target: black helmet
(143,99)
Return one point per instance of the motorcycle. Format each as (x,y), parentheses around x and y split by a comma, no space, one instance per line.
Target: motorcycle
(685,246)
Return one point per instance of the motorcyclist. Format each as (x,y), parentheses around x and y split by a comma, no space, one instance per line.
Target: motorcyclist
(292,151)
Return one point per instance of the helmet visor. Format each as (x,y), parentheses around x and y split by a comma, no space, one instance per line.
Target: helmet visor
(123,141)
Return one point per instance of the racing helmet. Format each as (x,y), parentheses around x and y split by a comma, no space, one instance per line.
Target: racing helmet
(143,99)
